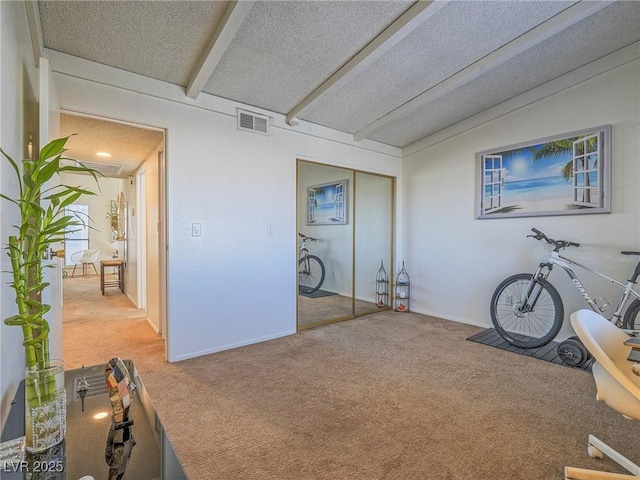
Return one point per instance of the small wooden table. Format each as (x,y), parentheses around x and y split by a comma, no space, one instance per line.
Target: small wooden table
(119,282)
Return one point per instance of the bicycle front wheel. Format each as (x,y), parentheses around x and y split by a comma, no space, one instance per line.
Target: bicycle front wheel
(632,316)
(526,323)
(310,274)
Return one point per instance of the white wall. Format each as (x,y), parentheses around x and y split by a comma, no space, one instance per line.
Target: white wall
(456,261)
(18,119)
(233,285)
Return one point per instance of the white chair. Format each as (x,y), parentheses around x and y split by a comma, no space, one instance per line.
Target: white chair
(85,258)
(616,384)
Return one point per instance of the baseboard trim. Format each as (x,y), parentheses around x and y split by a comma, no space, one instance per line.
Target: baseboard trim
(152,325)
(135,304)
(453,319)
(230,346)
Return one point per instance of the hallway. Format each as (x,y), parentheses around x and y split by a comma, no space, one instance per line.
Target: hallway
(99,327)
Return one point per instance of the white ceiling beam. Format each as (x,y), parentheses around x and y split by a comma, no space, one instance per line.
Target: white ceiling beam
(591,70)
(35,29)
(535,36)
(391,36)
(235,14)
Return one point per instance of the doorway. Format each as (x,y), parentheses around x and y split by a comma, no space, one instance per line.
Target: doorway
(346,217)
(132,188)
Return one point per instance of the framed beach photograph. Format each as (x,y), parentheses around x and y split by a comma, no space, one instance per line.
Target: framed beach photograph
(327,203)
(566,174)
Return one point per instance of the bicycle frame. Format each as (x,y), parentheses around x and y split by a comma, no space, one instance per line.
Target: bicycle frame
(544,269)
(304,251)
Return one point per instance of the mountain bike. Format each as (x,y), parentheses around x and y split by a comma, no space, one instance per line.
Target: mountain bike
(527,311)
(310,268)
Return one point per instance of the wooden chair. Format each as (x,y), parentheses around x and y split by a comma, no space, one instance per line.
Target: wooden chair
(616,383)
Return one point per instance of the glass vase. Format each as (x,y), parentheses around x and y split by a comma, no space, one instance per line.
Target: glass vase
(45,407)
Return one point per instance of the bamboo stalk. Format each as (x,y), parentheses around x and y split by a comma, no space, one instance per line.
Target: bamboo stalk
(38,227)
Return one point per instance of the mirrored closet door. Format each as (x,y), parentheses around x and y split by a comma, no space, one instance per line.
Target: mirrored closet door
(325,214)
(345,218)
(373,242)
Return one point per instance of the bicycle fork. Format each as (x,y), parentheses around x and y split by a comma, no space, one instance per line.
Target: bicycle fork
(306,268)
(535,288)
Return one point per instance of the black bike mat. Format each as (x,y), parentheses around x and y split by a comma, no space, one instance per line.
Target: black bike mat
(318,294)
(547,352)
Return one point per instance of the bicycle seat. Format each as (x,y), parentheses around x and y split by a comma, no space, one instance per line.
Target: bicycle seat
(629,252)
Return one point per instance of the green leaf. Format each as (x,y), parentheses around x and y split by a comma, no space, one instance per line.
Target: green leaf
(70,199)
(53,148)
(48,170)
(9,199)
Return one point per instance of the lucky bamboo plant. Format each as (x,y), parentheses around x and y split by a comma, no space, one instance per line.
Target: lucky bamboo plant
(43,222)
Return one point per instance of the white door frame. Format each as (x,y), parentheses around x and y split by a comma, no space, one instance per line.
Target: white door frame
(49,129)
(162,242)
(141,247)
(142,252)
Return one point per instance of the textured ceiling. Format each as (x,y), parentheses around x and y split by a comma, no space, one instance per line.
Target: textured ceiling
(275,54)
(607,31)
(284,50)
(157,39)
(446,44)
(129,146)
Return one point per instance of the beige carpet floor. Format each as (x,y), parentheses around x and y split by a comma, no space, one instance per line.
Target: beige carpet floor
(98,327)
(386,396)
(312,310)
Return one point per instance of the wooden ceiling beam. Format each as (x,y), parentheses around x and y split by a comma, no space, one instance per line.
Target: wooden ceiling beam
(406,23)
(535,36)
(235,14)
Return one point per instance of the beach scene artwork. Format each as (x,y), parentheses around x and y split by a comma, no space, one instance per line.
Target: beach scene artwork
(326,204)
(563,175)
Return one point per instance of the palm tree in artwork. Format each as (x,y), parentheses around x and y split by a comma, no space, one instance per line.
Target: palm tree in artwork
(564,146)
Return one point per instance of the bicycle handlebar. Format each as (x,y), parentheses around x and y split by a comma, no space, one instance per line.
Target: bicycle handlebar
(557,244)
(304,237)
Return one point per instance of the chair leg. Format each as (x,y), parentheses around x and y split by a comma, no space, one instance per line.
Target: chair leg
(74,270)
(613,455)
(94,268)
(597,449)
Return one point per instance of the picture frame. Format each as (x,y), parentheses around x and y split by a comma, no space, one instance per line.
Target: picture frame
(566,174)
(327,203)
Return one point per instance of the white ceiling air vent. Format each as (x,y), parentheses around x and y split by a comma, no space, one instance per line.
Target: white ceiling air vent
(106,169)
(253,122)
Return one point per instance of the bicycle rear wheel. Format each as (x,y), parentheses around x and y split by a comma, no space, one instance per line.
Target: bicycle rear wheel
(310,274)
(521,323)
